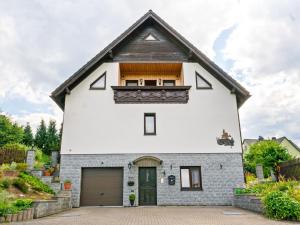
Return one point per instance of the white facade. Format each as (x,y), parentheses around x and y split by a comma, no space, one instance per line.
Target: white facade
(94,124)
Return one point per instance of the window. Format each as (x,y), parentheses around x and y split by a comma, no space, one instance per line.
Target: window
(132,83)
(149,124)
(150,82)
(150,37)
(190,178)
(169,82)
(201,83)
(99,83)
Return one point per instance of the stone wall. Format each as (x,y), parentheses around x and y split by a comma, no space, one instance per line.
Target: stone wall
(220,174)
(48,207)
(249,202)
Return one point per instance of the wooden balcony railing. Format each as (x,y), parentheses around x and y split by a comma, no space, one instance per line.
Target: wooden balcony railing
(151,94)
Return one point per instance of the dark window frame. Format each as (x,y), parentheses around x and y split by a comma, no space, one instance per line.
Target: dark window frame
(190,177)
(152,115)
(208,83)
(145,81)
(132,81)
(173,81)
(99,88)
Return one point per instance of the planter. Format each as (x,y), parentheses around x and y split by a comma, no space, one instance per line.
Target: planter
(10,173)
(8,218)
(30,213)
(47,174)
(25,214)
(131,202)
(14,218)
(130,183)
(67,186)
(20,216)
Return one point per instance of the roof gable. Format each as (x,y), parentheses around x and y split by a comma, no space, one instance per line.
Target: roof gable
(182,49)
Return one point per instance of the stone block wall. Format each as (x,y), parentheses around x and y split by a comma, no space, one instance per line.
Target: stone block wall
(220,174)
(48,207)
(249,202)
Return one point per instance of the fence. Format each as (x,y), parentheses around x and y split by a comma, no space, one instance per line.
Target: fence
(290,169)
(11,155)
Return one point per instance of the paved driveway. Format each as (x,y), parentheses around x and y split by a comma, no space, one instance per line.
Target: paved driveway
(156,216)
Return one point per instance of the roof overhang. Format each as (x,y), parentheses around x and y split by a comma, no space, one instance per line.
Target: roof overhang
(58,95)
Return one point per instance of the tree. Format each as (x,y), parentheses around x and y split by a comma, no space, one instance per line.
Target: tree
(60,135)
(41,136)
(52,143)
(10,132)
(28,136)
(267,153)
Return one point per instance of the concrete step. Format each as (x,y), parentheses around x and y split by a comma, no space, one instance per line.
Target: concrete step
(56,186)
(47,179)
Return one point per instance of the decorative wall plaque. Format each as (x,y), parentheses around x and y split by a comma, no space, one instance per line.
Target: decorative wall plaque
(225,139)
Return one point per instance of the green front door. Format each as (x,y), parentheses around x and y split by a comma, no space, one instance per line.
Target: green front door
(147,186)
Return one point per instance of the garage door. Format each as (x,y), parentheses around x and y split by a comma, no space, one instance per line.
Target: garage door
(101,187)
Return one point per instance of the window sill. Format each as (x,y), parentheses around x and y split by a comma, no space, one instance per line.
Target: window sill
(191,189)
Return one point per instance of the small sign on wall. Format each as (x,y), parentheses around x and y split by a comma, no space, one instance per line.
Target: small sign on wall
(171,180)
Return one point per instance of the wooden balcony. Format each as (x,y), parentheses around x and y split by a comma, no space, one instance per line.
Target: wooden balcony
(151,94)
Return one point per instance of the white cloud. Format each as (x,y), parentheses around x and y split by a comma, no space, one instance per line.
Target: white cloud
(265,50)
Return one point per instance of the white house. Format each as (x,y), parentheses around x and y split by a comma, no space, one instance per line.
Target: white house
(151,115)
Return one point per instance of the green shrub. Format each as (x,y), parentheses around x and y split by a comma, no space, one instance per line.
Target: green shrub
(13,166)
(36,183)
(42,157)
(239,191)
(278,205)
(22,204)
(5,166)
(5,204)
(132,197)
(21,185)
(15,146)
(5,183)
(21,166)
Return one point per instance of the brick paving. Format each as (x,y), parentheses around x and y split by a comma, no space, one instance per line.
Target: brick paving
(189,215)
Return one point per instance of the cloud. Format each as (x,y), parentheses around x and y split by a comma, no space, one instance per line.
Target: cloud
(265,51)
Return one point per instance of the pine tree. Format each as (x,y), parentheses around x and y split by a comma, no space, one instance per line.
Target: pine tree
(41,136)
(9,132)
(52,143)
(28,136)
(60,135)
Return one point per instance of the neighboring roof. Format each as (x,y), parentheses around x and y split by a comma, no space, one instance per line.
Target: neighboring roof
(58,95)
(250,141)
(291,142)
(279,140)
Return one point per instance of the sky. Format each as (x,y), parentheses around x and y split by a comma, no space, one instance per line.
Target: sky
(44,42)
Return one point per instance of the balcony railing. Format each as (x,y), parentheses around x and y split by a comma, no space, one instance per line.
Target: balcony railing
(151,94)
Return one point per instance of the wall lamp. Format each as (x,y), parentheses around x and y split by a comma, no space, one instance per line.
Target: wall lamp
(129,165)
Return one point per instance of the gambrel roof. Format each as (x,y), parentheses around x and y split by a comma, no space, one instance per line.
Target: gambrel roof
(113,53)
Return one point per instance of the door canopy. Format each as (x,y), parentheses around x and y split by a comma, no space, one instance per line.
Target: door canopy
(147,161)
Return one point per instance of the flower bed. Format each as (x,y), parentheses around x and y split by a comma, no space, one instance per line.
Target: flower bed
(277,200)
